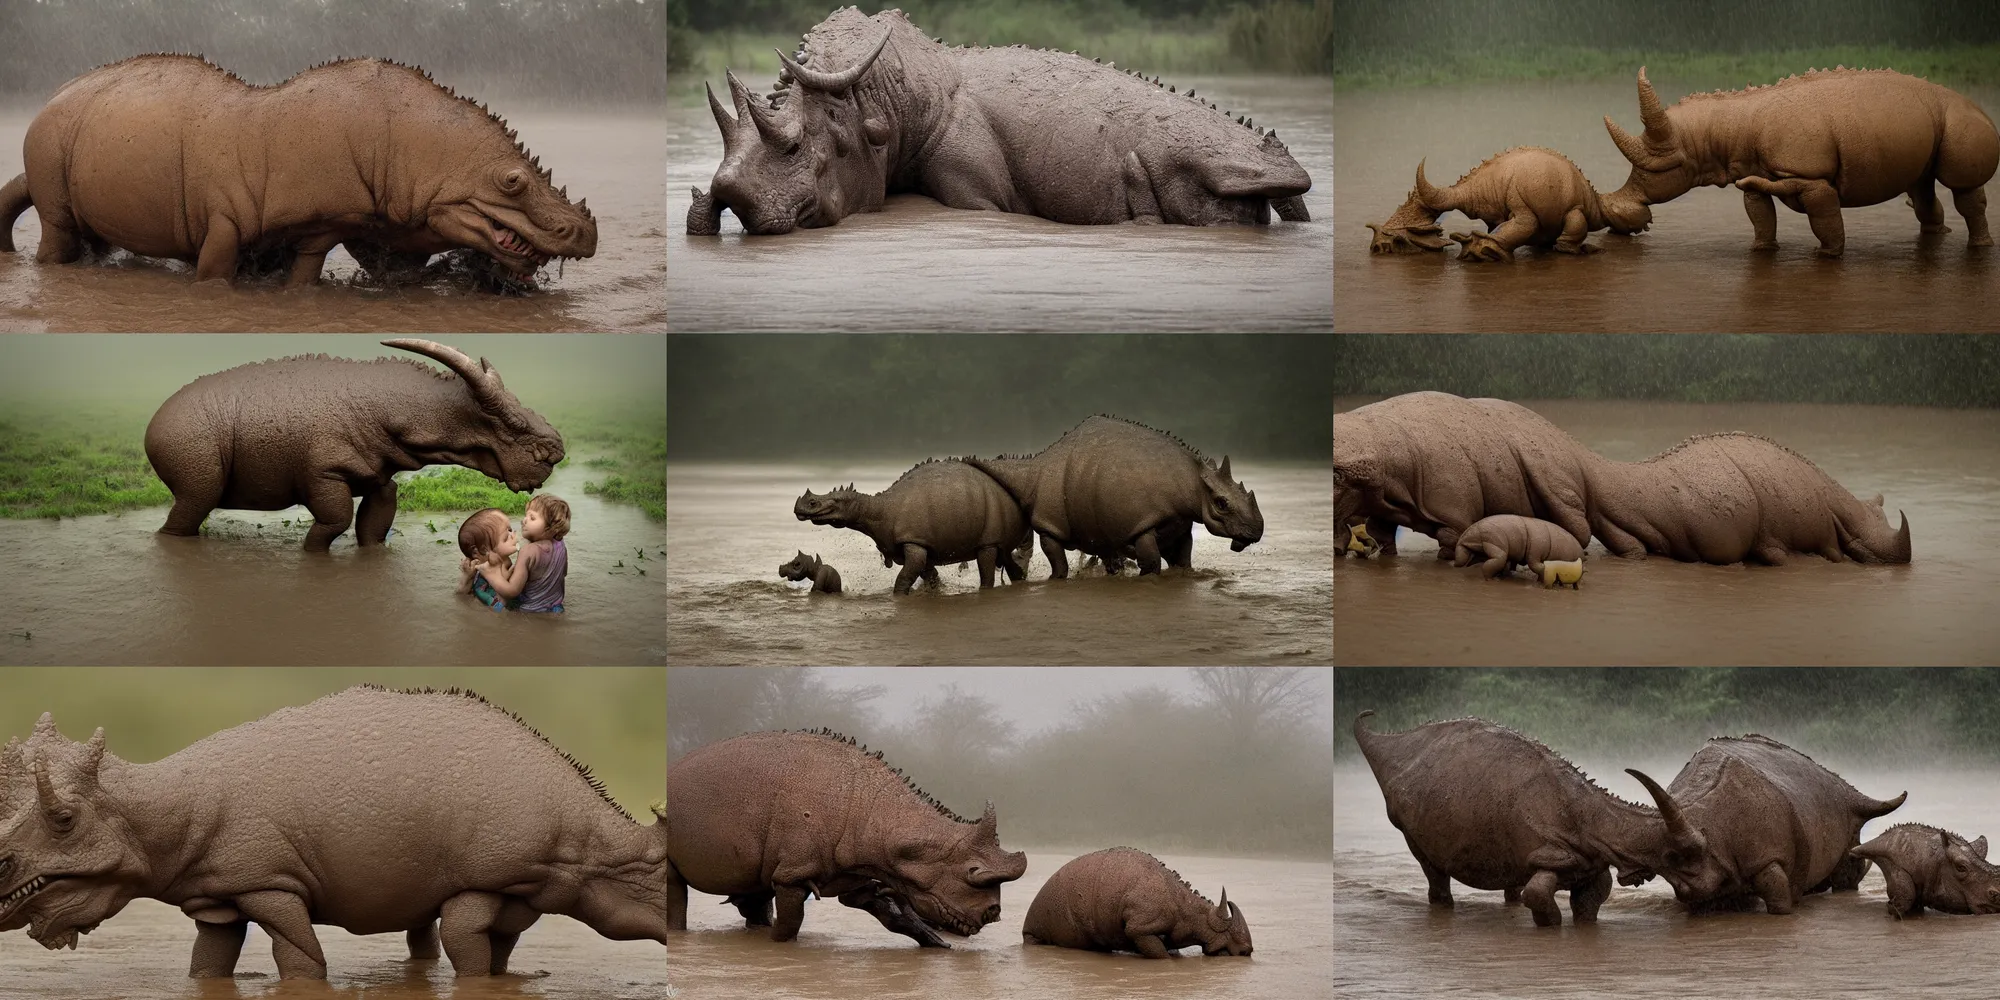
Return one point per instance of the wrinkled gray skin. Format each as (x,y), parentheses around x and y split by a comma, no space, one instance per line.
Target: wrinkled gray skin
(825,579)
(1117,489)
(1122,899)
(1750,818)
(1493,809)
(939,512)
(321,431)
(1503,541)
(1926,866)
(769,818)
(872,107)
(293,820)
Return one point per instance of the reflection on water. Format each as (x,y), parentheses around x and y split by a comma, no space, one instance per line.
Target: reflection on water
(1693,271)
(613,159)
(1393,943)
(107,589)
(919,266)
(143,953)
(843,952)
(1940,467)
(730,526)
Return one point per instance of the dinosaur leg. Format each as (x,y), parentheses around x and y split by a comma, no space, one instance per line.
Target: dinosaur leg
(1763,219)
(1177,545)
(515,916)
(423,942)
(989,557)
(1149,945)
(1620,542)
(931,578)
(332,504)
(1540,897)
(894,913)
(1012,566)
(293,944)
(755,907)
(306,266)
(464,923)
(378,511)
(1140,205)
(1971,205)
(1148,549)
(1383,531)
(1902,893)
(677,900)
(217,946)
(192,505)
(791,913)
(1434,877)
(1292,209)
(61,244)
(1576,228)
(218,251)
(915,562)
(1058,560)
(1586,897)
(1511,895)
(1447,537)
(1774,889)
(1497,559)
(1498,244)
(1816,198)
(1930,211)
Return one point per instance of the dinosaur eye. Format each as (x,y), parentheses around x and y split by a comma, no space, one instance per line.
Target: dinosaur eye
(513,180)
(1222,505)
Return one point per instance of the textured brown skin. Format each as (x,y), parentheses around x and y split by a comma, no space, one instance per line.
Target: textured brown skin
(1503,541)
(1527,196)
(171,156)
(1750,818)
(1926,866)
(1113,488)
(771,817)
(826,579)
(321,431)
(940,512)
(370,810)
(1019,130)
(1122,899)
(1437,463)
(1819,142)
(1489,807)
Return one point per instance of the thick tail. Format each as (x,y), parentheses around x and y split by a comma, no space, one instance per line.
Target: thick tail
(14,199)
(1359,729)
(1872,808)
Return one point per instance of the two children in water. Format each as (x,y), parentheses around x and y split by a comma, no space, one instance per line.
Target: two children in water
(534,580)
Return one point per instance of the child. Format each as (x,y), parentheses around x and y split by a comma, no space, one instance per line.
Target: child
(537,576)
(487,540)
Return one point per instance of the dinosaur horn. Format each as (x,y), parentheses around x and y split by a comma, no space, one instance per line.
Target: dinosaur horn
(1683,834)
(1902,551)
(93,754)
(740,96)
(45,790)
(46,725)
(837,81)
(778,133)
(1224,469)
(1425,192)
(480,378)
(1659,130)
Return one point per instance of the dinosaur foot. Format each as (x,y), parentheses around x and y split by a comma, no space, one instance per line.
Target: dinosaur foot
(1481,246)
(1581,249)
(1414,239)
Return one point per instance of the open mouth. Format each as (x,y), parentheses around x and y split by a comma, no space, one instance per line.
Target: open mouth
(515,246)
(28,888)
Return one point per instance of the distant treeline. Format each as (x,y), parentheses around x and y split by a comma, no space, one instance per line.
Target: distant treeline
(736,396)
(1421,41)
(1904,712)
(1279,36)
(1909,369)
(1237,772)
(519,50)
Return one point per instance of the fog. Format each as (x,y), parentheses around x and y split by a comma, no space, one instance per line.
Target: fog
(1208,760)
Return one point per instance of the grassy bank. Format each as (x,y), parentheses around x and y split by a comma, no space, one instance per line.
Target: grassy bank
(1972,64)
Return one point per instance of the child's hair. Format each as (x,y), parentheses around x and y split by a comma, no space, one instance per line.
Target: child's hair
(481,533)
(554,512)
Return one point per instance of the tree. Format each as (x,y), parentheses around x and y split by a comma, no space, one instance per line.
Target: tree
(1257,700)
(707,704)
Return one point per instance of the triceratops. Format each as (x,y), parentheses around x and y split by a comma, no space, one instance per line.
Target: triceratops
(1527,196)
(870,107)
(1123,899)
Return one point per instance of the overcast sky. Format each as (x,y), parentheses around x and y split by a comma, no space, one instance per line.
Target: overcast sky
(1032,697)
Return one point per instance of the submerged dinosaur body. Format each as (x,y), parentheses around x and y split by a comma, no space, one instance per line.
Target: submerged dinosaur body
(1122,899)
(1437,463)
(171,156)
(1820,142)
(1527,196)
(872,107)
(371,810)
(1925,866)
(1503,541)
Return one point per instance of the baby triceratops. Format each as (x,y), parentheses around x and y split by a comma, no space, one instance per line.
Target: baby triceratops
(825,579)
(1926,866)
(1526,195)
(1509,540)
(1123,899)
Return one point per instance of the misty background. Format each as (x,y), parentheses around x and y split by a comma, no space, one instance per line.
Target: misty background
(607,717)
(529,51)
(1207,760)
(1944,370)
(737,396)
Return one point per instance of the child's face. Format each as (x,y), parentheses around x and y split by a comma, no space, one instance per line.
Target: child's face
(510,543)
(533,525)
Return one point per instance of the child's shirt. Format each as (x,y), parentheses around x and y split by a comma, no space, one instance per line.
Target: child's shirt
(544,589)
(484,591)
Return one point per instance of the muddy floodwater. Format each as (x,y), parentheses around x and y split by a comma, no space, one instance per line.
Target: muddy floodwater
(919,266)
(730,526)
(107,589)
(1693,271)
(1394,944)
(142,954)
(1940,467)
(843,952)
(610,158)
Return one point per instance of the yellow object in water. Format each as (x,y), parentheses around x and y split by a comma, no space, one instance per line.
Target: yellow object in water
(1358,540)
(1555,573)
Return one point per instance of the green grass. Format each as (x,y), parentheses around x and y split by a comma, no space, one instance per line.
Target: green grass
(454,488)
(1973,64)
(78,470)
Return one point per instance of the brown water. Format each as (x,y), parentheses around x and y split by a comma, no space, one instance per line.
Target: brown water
(106,589)
(730,526)
(1940,467)
(843,952)
(611,158)
(919,266)
(1393,943)
(143,953)
(1693,271)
